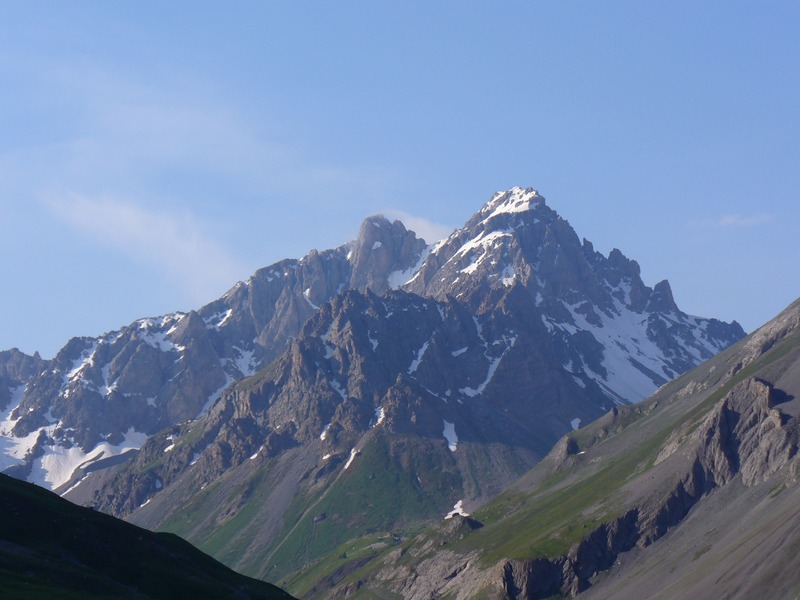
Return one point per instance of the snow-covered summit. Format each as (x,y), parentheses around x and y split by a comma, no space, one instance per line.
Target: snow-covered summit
(630,338)
(514,200)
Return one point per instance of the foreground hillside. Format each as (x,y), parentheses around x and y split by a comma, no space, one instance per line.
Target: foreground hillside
(691,494)
(50,548)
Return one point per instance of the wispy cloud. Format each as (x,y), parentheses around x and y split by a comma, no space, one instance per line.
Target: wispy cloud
(428,230)
(130,137)
(176,245)
(733,220)
(149,160)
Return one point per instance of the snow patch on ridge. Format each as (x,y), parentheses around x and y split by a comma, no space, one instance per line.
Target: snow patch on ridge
(151,332)
(632,361)
(508,276)
(353,454)
(457,510)
(623,337)
(215,321)
(483,243)
(450,435)
(13,449)
(416,362)
(380,416)
(307,296)
(86,359)
(329,348)
(397,279)
(337,387)
(493,364)
(373,342)
(245,362)
(58,463)
(6,422)
(214,396)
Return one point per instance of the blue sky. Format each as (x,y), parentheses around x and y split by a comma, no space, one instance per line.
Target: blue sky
(152,154)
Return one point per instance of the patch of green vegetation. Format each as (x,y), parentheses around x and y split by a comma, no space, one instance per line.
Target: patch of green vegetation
(338,564)
(151,466)
(777,490)
(223,520)
(223,543)
(484,593)
(185,520)
(367,593)
(379,492)
(700,552)
(550,520)
(192,435)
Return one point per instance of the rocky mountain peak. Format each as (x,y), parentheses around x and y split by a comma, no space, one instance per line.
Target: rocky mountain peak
(514,200)
(381,249)
(517,238)
(661,299)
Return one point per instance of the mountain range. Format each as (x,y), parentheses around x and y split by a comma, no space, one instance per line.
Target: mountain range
(360,393)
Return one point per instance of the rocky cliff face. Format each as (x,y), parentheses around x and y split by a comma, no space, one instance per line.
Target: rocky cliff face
(407,366)
(721,443)
(627,338)
(745,437)
(104,396)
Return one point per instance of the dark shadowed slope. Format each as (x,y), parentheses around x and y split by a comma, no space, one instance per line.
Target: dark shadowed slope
(50,548)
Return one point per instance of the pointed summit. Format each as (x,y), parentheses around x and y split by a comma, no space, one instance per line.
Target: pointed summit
(516,244)
(514,200)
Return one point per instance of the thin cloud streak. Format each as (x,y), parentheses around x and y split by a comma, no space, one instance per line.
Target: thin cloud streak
(177,246)
(135,137)
(428,230)
(731,221)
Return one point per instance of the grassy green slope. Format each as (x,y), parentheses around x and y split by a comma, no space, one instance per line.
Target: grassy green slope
(394,484)
(375,495)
